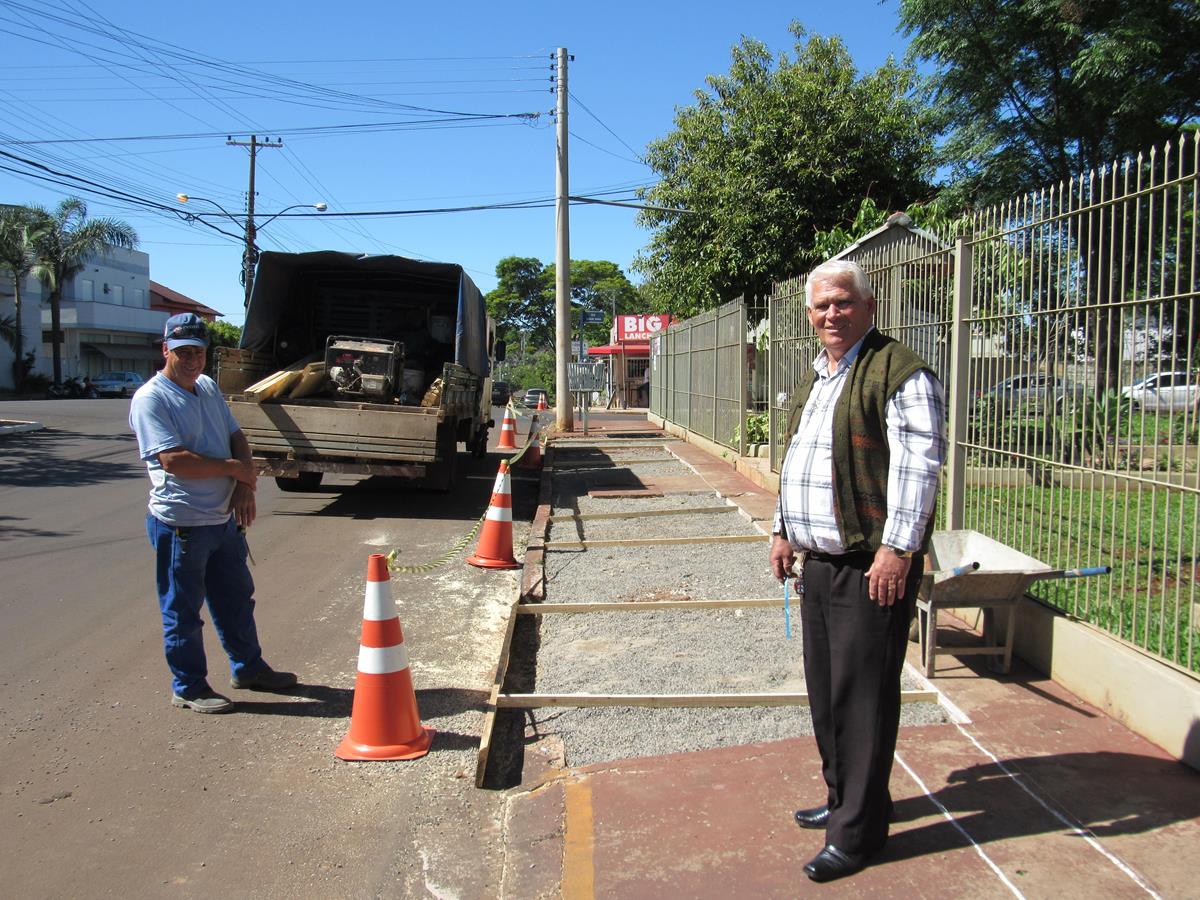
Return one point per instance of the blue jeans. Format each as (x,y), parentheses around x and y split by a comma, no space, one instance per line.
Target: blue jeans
(205,562)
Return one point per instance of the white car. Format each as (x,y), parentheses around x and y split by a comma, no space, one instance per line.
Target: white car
(117,384)
(1164,392)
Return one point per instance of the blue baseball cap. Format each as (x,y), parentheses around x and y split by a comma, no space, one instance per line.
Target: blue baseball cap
(185,330)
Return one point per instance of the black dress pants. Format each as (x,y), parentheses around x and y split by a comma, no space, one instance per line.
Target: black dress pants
(853,654)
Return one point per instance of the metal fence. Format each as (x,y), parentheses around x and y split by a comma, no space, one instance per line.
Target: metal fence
(698,377)
(1063,324)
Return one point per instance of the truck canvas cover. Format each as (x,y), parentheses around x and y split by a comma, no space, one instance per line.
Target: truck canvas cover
(301,298)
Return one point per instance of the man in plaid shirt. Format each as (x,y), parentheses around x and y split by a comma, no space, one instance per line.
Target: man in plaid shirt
(866,441)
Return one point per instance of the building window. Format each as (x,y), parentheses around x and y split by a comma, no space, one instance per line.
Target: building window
(87,289)
(118,294)
(139,298)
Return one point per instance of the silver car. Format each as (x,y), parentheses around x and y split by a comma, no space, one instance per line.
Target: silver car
(1164,392)
(117,384)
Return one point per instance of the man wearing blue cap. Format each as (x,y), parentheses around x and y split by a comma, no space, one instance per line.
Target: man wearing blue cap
(202,483)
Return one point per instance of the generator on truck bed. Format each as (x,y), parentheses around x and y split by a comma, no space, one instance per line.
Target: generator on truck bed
(357,364)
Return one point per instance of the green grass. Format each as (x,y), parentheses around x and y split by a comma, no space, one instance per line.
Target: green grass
(1147,536)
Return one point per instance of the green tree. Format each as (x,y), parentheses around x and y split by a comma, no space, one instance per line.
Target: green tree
(523,302)
(769,154)
(1031,92)
(67,237)
(221,334)
(20,230)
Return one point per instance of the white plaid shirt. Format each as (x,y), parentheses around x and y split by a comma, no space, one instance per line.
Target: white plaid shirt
(917,448)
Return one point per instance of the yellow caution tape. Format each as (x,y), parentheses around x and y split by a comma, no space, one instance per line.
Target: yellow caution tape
(461,543)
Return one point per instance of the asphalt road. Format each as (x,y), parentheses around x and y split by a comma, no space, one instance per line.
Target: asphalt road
(108,790)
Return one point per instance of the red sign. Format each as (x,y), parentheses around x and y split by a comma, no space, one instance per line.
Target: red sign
(639,328)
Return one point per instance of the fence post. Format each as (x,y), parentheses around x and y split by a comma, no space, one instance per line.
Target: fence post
(958,401)
(743,375)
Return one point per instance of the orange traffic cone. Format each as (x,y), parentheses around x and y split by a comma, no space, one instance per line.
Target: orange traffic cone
(542,402)
(508,431)
(495,548)
(532,459)
(384,722)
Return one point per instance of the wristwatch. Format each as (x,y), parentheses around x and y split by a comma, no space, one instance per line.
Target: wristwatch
(903,554)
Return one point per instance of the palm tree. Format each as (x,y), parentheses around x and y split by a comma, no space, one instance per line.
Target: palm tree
(20,229)
(63,247)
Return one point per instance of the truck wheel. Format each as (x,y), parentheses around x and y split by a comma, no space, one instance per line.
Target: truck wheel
(479,445)
(305,481)
(443,475)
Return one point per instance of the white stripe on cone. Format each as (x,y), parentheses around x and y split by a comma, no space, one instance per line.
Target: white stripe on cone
(379,606)
(382,660)
(501,485)
(499,513)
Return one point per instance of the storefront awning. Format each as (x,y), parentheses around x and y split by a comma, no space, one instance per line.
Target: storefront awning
(124,351)
(635,349)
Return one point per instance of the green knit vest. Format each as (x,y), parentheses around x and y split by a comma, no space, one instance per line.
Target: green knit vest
(860,447)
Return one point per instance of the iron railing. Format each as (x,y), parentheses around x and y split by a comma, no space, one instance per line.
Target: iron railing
(1043,317)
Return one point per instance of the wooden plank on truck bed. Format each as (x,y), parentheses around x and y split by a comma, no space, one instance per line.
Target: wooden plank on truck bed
(276,384)
(311,381)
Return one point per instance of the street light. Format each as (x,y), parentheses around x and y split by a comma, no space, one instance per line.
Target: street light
(249,232)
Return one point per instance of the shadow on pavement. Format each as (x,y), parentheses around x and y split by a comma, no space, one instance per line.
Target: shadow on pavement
(1145,795)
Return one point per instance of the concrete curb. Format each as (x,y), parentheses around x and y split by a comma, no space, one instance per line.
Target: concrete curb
(8,426)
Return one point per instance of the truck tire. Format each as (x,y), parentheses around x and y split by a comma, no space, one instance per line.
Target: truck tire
(305,481)
(442,476)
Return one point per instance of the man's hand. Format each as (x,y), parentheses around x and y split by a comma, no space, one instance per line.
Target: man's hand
(782,557)
(245,473)
(241,504)
(885,578)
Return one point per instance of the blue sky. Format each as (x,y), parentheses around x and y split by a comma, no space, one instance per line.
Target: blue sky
(87,69)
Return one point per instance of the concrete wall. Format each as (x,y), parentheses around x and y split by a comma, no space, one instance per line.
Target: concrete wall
(1149,697)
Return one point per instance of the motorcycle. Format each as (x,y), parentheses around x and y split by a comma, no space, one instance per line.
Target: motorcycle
(71,389)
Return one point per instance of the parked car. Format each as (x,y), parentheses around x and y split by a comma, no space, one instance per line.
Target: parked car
(117,384)
(1033,393)
(500,393)
(1164,392)
(532,395)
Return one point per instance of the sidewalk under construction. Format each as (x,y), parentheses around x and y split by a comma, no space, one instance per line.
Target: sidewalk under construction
(1021,788)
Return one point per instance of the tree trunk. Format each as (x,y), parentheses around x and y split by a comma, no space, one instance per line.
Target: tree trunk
(19,343)
(55,333)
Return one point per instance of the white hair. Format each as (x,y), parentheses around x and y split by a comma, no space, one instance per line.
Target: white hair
(839,270)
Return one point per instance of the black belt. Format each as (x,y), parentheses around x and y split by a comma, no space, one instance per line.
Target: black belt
(853,556)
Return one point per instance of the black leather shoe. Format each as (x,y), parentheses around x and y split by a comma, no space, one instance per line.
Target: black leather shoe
(817,817)
(832,863)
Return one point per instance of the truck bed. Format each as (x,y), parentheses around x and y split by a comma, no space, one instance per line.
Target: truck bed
(334,428)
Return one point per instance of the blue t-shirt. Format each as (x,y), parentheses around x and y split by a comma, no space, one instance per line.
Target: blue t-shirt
(163,415)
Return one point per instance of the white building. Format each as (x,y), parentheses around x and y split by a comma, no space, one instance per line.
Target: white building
(107,322)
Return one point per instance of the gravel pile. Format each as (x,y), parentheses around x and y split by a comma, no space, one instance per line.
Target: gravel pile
(665,651)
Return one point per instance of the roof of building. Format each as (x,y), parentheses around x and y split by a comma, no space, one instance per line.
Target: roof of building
(177,299)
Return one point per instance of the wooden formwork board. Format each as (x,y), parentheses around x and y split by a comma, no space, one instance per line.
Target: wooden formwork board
(660,541)
(644,513)
(569,445)
(533,590)
(677,701)
(612,463)
(595,606)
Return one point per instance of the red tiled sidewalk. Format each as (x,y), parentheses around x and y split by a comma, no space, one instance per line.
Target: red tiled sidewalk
(1037,795)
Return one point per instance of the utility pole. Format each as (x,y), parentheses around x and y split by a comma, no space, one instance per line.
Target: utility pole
(562,261)
(250,254)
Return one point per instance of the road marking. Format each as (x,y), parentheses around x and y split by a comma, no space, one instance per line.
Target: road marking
(579,865)
(958,827)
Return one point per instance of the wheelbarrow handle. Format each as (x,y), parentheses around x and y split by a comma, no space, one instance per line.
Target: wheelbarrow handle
(963,570)
(1085,573)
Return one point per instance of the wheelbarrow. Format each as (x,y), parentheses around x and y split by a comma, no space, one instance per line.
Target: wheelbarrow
(967,569)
